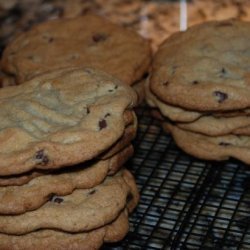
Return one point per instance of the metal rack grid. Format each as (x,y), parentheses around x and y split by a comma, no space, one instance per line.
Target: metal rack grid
(185,203)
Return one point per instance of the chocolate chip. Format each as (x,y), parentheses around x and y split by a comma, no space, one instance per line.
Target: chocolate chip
(102,124)
(220,96)
(224,144)
(42,157)
(129,197)
(224,24)
(92,192)
(51,39)
(108,114)
(87,110)
(165,83)
(115,87)
(223,71)
(99,37)
(56,199)
(195,82)
(31,57)
(51,196)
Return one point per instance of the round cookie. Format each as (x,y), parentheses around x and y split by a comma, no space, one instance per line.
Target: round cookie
(173,113)
(211,148)
(19,199)
(215,126)
(205,68)
(83,210)
(123,142)
(90,41)
(56,240)
(60,120)
(120,145)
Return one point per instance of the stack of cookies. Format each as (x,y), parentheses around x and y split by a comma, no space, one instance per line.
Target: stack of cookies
(199,88)
(65,136)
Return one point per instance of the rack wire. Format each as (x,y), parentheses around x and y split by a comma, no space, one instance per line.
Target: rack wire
(185,203)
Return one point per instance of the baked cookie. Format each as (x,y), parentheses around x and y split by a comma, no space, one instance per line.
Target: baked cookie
(205,68)
(122,143)
(216,148)
(154,20)
(90,41)
(125,141)
(56,240)
(66,119)
(215,126)
(173,113)
(19,199)
(83,210)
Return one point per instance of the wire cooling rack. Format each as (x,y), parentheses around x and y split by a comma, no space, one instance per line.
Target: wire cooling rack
(185,203)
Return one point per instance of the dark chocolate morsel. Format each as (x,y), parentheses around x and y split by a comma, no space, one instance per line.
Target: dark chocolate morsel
(224,24)
(220,96)
(51,196)
(41,157)
(92,192)
(99,37)
(115,87)
(195,82)
(224,143)
(56,199)
(129,197)
(87,110)
(223,71)
(102,124)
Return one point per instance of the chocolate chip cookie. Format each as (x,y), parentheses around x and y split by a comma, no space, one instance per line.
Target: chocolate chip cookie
(89,41)
(61,119)
(211,148)
(205,68)
(82,210)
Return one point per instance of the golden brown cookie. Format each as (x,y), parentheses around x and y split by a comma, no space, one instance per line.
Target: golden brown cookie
(81,211)
(205,68)
(62,119)
(90,41)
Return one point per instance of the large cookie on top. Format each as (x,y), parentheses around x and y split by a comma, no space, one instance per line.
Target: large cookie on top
(205,68)
(81,211)
(61,119)
(88,41)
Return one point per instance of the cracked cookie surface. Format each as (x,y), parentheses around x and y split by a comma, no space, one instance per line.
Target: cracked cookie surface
(60,119)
